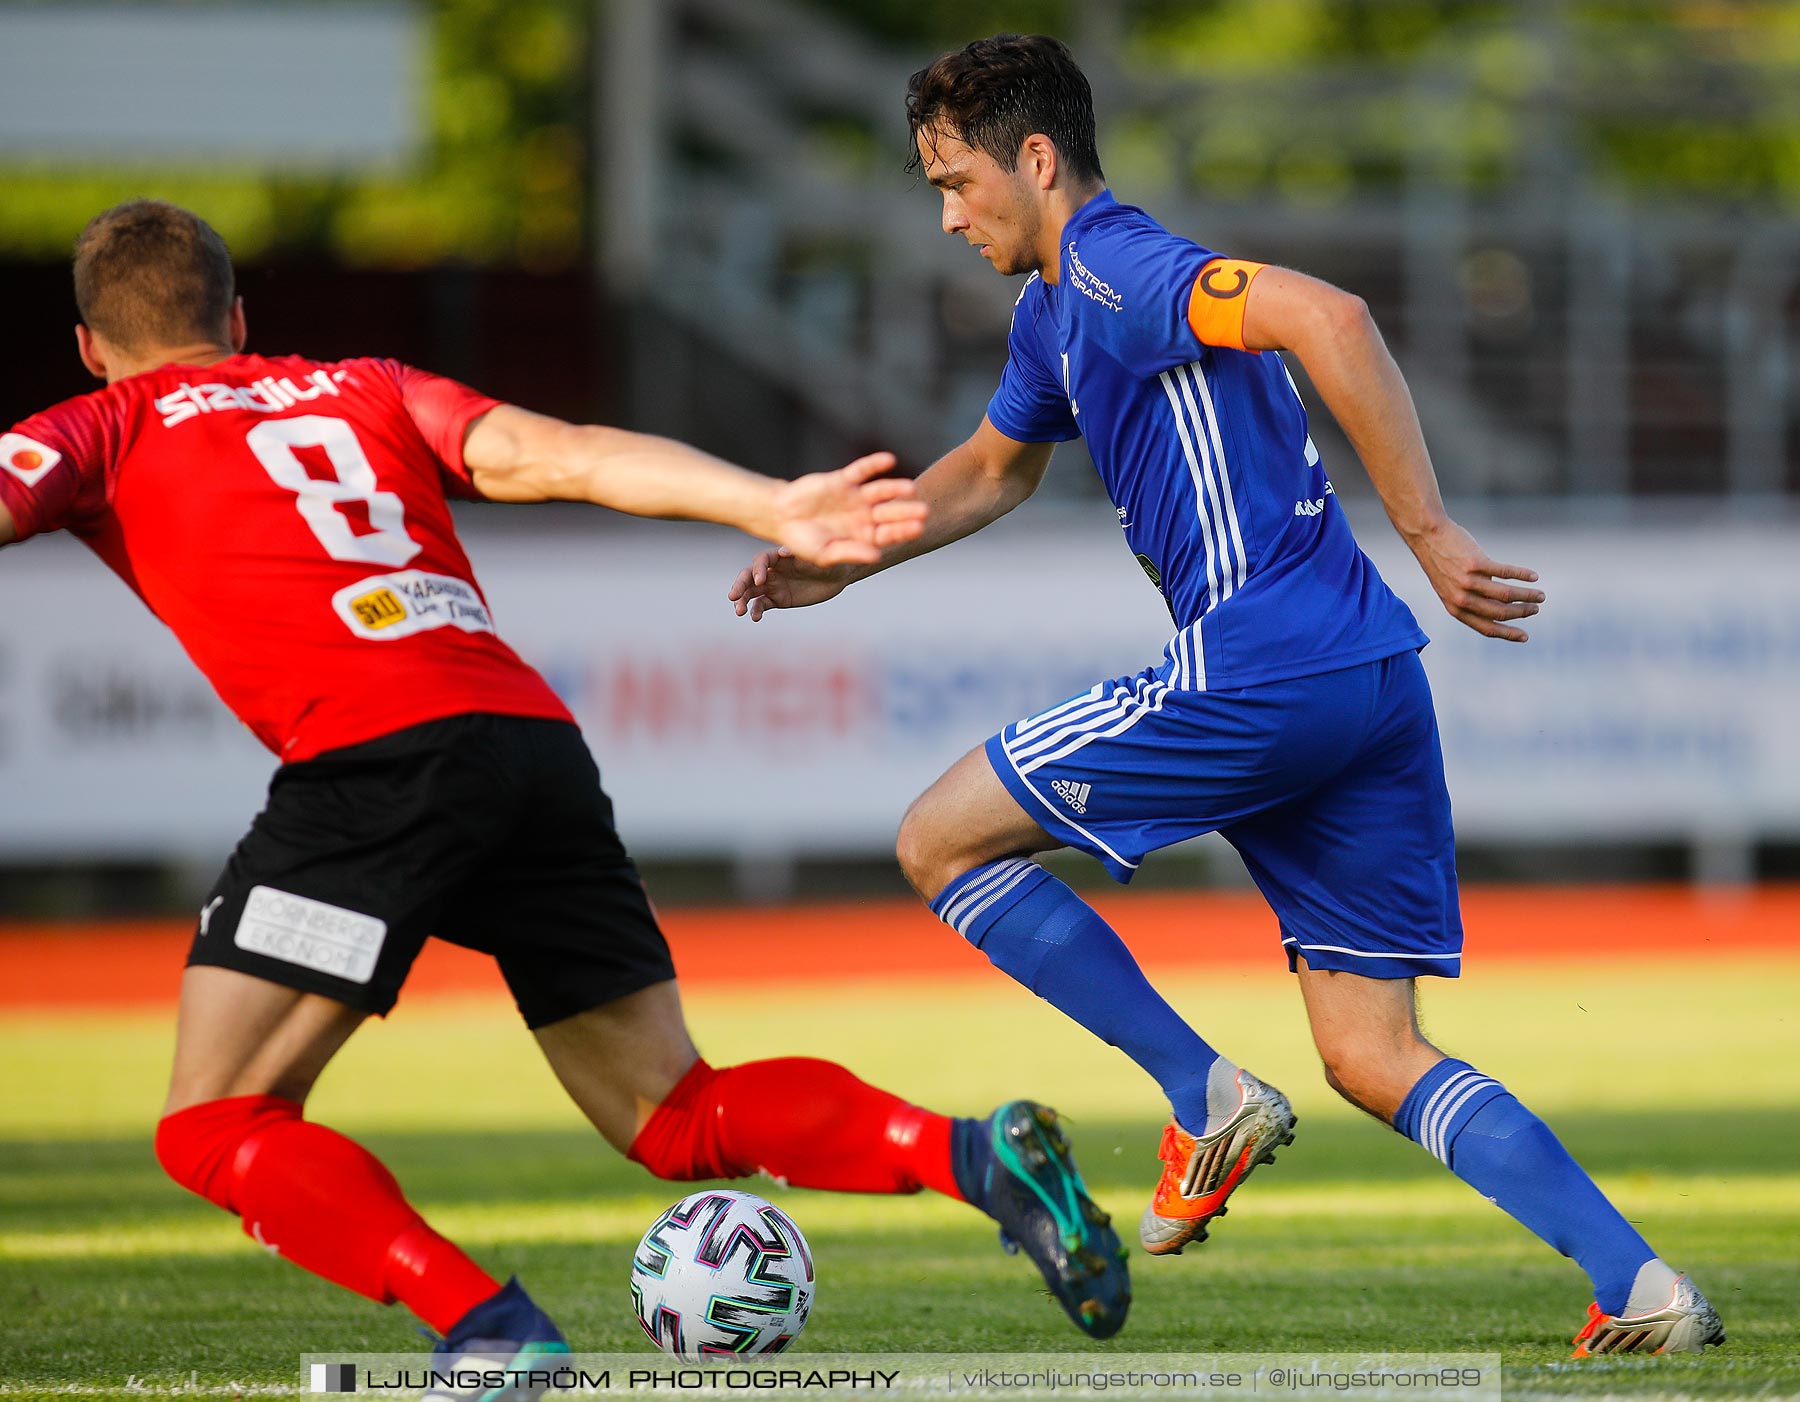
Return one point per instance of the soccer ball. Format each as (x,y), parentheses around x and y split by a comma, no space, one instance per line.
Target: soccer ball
(722,1272)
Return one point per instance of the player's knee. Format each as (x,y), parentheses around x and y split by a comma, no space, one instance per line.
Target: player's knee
(920,851)
(1373,1073)
(202,1147)
(1368,1087)
(1335,1079)
(1352,1063)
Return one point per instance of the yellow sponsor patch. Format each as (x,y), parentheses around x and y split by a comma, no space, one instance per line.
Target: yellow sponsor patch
(390,607)
(378,609)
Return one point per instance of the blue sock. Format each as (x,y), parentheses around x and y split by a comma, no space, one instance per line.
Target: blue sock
(1033,927)
(1509,1156)
(971,1157)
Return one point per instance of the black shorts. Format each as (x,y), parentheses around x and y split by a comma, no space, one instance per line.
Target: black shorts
(488,831)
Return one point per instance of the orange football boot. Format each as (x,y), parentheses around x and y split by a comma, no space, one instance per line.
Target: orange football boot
(1686,1324)
(1200,1172)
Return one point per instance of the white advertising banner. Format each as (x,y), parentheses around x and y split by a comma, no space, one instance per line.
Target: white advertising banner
(1659,694)
(309,86)
(1657,698)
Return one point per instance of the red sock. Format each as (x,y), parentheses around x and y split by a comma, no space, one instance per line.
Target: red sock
(809,1123)
(322,1201)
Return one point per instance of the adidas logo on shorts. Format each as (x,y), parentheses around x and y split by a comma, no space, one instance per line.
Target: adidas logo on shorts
(1071,793)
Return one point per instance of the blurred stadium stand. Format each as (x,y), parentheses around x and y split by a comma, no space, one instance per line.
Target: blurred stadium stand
(1574,221)
(1571,324)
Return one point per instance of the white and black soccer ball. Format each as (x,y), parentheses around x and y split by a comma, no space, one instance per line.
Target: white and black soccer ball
(722,1272)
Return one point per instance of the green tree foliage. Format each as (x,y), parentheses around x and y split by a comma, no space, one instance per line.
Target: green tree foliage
(501,179)
(1312,101)
(943,24)
(1317,101)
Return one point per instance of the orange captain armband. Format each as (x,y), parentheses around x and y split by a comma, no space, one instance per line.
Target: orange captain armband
(1216,306)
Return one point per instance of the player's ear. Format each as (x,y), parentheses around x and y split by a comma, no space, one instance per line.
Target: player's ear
(236,326)
(1038,157)
(90,352)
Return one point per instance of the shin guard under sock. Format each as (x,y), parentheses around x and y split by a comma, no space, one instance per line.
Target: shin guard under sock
(804,1122)
(1034,928)
(1509,1156)
(322,1201)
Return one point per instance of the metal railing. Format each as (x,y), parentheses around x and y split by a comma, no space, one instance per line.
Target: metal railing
(1564,333)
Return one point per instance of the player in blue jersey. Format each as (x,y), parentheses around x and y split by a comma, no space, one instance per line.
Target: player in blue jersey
(1289,711)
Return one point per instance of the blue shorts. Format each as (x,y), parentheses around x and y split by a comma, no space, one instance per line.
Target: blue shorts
(1331,787)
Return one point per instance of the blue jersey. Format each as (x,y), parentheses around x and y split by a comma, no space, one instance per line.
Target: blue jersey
(1204,451)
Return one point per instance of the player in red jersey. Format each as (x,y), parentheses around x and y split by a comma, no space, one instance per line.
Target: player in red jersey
(287,518)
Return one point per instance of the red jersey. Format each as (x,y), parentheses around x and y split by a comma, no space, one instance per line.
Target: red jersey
(287,518)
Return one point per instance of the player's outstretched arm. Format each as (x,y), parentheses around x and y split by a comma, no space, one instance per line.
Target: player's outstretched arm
(829,518)
(971,486)
(1335,338)
(8,532)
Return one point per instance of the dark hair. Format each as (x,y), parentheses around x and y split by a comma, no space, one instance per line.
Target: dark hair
(151,274)
(995,92)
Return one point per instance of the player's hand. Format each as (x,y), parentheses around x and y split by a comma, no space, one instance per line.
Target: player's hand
(776,580)
(846,517)
(1473,586)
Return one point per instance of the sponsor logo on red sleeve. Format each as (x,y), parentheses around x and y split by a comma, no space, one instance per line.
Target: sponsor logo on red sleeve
(26,458)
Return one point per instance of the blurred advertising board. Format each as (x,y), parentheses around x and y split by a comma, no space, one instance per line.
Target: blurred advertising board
(307,86)
(1658,698)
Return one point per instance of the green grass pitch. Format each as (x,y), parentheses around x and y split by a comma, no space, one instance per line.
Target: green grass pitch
(1676,1085)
